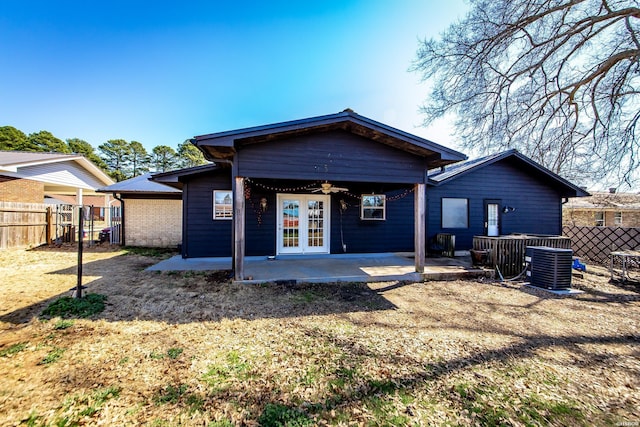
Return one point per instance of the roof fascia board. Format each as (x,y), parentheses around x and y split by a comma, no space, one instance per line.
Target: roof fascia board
(83,161)
(414,139)
(172,176)
(228,138)
(478,165)
(53,159)
(579,191)
(249,132)
(95,170)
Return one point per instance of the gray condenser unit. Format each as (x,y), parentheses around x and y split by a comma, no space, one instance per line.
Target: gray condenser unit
(549,268)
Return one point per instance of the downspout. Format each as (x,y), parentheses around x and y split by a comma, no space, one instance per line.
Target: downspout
(122,233)
(563,201)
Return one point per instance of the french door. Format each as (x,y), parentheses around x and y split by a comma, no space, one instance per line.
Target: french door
(303,223)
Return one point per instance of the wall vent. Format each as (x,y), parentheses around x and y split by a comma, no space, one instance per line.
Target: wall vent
(549,268)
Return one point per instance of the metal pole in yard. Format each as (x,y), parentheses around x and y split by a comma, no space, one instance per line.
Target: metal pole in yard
(80,237)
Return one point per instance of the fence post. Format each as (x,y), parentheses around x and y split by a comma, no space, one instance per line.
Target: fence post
(49,225)
(80,244)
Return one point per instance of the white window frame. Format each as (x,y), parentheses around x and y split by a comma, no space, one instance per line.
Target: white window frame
(445,222)
(222,211)
(617,219)
(370,208)
(599,218)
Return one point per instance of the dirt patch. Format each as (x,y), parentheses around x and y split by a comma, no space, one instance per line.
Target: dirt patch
(191,348)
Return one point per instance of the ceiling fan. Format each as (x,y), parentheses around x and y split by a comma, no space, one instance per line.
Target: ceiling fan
(327,187)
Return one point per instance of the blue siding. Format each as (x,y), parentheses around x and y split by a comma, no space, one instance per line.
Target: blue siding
(538,205)
(538,210)
(395,234)
(260,227)
(334,155)
(202,235)
(205,237)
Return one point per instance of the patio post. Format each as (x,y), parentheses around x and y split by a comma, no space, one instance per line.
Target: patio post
(238,228)
(420,209)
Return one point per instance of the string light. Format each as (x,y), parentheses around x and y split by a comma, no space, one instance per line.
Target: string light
(404,193)
(284,189)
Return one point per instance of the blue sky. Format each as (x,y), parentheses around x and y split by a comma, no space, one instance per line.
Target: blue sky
(162,72)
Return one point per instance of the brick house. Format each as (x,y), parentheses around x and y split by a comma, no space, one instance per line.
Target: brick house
(603,209)
(151,212)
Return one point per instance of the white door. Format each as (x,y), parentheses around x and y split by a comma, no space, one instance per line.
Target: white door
(303,223)
(493,219)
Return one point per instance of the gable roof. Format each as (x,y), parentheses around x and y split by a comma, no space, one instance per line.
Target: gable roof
(59,172)
(449,173)
(13,159)
(141,184)
(223,145)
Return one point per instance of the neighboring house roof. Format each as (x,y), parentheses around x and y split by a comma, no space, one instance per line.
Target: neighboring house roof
(61,173)
(607,201)
(139,185)
(444,175)
(222,145)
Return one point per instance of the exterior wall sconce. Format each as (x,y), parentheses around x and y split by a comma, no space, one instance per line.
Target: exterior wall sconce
(508,209)
(263,204)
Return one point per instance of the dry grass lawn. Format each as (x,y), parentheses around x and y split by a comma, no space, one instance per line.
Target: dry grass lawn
(188,349)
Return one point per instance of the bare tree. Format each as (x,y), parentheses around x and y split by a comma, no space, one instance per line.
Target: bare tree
(556,79)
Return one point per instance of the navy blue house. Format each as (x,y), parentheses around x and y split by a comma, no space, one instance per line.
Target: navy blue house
(505,193)
(345,183)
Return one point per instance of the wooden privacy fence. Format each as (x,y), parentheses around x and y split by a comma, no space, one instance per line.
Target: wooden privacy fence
(24,224)
(507,252)
(594,244)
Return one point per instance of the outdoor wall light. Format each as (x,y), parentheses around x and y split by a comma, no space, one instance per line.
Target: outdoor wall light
(508,209)
(263,204)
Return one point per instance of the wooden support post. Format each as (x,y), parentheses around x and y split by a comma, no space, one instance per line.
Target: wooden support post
(420,209)
(238,228)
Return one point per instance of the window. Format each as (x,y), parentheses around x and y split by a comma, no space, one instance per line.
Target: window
(222,205)
(455,213)
(372,207)
(617,219)
(599,219)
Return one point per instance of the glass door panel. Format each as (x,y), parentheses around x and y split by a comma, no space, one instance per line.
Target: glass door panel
(290,228)
(315,231)
(493,218)
(303,224)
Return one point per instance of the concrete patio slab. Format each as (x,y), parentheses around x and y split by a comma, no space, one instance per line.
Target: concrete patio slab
(331,268)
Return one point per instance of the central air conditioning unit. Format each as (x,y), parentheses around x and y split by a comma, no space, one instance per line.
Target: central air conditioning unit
(549,268)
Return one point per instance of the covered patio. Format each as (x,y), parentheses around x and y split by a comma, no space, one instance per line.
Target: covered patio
(330,268)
